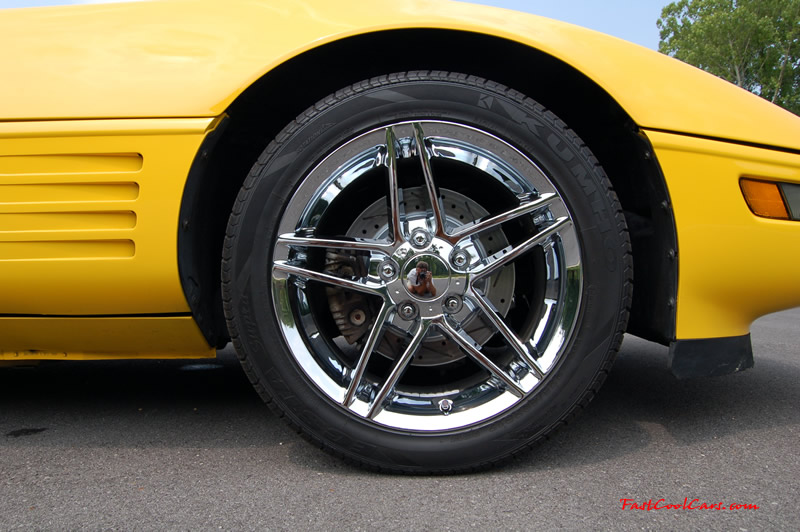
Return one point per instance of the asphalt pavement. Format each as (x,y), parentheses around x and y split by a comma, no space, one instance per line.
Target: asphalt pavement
(187,445)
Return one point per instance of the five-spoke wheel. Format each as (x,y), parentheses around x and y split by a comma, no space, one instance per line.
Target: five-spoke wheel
(461,251)
(408,271)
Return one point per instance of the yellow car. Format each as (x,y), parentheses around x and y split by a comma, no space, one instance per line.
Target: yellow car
(424,225)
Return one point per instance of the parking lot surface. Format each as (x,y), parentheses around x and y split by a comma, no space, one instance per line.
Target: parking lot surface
(188,445)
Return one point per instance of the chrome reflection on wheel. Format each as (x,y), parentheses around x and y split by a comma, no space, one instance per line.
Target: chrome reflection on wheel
(426,276)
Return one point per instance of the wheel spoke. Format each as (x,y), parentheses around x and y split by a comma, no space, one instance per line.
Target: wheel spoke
(437,220)
(393,195)
(304,273)
(289,239)
(471,348)
(525,208)
(399,367)
(505,331)
(508,254)
(369,346)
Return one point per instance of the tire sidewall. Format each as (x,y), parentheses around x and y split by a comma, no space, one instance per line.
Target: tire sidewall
(505,114)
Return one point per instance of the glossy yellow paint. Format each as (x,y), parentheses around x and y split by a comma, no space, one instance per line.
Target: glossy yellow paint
(103,108)
(733,265)
(191,58)
(101,338)
(89,209)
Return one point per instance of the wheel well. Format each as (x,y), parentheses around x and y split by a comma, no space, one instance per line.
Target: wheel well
(263,109)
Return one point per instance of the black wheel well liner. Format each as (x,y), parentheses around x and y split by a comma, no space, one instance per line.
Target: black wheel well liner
(263,109)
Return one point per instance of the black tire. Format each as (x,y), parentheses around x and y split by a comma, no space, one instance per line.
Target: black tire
(497,358)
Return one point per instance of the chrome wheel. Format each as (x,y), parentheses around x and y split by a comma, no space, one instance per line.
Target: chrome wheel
(426,272)
(470,343)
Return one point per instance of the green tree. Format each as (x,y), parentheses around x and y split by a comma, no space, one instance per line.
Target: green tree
(752,43)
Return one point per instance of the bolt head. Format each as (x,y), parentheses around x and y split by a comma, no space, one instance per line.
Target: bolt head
(452,304)
(388,271)
(407,311)
(460,259)
(419,238)
(357,317)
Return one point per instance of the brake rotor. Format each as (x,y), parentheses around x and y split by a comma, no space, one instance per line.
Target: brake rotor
(353,312)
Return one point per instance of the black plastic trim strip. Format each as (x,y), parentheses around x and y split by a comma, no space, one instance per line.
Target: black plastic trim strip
(724,140)
(791,197)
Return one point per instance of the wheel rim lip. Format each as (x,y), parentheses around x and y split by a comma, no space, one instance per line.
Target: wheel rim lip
(557,324)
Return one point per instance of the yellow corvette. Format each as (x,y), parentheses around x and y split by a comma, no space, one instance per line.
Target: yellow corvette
(424,225)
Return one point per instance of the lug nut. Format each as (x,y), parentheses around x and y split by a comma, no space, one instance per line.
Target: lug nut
(452,304)
(419,238)
(388,270)
(407,311)
(460,259)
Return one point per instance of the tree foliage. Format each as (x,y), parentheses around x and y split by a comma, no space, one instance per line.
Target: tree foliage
(752,43)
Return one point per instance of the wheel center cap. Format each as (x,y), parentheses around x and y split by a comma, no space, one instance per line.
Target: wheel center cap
(426,277)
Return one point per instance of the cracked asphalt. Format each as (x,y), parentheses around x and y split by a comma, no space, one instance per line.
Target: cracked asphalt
(187,445)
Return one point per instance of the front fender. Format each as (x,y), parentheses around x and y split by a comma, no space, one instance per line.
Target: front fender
(182,58)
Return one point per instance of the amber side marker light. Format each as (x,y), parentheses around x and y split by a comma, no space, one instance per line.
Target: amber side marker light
(765,198)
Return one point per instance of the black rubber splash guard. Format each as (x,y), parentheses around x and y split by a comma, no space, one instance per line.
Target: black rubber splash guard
(710,357)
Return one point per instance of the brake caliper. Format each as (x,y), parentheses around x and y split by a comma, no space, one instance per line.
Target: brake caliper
(352,311)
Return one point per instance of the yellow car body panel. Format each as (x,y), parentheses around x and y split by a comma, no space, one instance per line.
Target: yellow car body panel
(133,60)
(104,107)
(734,265)
(89,215)
(27,339)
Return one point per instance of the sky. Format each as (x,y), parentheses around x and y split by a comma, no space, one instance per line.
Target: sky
(632,20)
